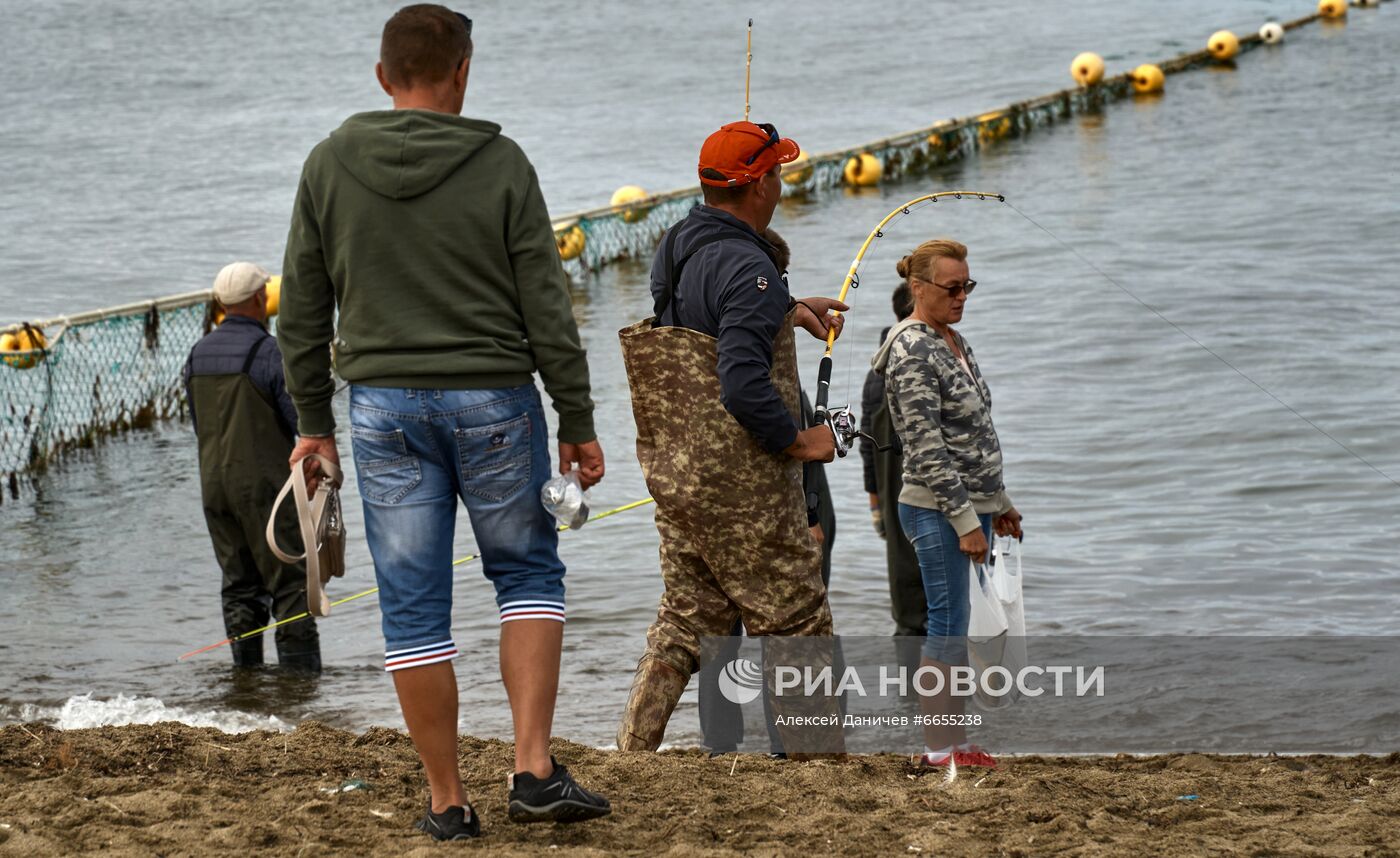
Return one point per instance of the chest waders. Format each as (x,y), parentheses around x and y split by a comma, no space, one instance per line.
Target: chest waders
(243,452)
(732,518)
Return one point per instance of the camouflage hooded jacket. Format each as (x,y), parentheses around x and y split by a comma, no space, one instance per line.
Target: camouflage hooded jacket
(943,416)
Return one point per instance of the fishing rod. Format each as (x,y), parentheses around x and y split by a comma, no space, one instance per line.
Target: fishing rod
(842,421)
(372,590)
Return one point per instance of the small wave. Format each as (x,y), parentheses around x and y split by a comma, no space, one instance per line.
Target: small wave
(86,711)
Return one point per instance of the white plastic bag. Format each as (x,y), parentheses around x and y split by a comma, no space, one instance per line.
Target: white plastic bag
(1008,649)
(564,499)
(1006,569)
(987,618)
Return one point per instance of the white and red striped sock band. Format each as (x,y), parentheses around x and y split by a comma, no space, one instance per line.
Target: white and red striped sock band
(420,655)
(532,609)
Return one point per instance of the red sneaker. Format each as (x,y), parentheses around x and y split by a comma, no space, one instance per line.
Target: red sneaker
(974,757)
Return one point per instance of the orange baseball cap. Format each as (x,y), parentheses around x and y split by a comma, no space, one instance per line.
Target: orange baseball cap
(743,152)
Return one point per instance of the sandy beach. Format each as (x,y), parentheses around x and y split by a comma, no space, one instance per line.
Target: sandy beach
(174,790)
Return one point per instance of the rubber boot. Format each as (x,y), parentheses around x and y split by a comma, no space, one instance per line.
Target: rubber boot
(656,689)
(808,727)
(248,652)
(305,661)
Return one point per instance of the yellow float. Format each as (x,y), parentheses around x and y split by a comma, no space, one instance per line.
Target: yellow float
(570,242)
(935,137)
(274,301)
(863,170)
(799,170)
(29,341)
(1087,68)
(630,194)
(993,126)
(1332,8)
(1223,45)
(1148,79)
(274,294)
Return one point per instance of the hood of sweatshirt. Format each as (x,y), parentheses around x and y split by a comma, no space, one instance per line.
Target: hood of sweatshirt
(402,154)
(882,357)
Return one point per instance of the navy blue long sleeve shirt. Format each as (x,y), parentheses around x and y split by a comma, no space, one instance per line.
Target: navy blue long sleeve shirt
(733,291)
(222,352)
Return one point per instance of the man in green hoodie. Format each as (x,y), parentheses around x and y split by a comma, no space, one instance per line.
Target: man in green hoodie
(428,233)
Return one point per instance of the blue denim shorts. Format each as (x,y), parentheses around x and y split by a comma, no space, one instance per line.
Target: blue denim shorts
(416,453)
(944,570)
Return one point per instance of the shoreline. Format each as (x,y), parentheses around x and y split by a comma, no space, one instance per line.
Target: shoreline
(178,790)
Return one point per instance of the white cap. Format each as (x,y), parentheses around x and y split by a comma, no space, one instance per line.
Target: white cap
(238,282)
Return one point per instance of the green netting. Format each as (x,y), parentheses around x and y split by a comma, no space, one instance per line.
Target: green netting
(110,371)
(96,378)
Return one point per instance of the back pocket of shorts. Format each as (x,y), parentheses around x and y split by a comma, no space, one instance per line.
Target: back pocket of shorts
(495,459)
(385,469)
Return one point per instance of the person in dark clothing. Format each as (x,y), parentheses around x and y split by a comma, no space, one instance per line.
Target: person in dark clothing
(246,424)
(883,483)
(721,721)
(736,295)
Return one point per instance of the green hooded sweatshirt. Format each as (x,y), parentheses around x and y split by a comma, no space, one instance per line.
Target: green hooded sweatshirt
(429,233)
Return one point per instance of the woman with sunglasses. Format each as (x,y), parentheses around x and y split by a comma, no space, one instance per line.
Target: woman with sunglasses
(953,495)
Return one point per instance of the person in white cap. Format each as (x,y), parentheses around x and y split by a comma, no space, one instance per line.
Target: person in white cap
(246,425)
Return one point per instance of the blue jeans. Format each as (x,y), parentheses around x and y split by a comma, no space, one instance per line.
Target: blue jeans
(944,570)
(416,453)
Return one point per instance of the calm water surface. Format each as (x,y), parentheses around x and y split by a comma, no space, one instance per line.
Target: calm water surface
(146,144)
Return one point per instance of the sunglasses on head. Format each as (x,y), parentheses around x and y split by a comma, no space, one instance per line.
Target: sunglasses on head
(773,140)
(466,22)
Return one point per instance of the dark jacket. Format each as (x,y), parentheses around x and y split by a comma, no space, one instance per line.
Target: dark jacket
(731,289)
(872,399)
(429,233)
(224,350)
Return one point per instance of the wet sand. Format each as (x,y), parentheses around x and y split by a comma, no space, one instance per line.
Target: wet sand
(175,790)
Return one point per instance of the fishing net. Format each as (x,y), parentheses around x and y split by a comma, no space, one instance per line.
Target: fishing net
(113,370)
(93,378)
(590,240)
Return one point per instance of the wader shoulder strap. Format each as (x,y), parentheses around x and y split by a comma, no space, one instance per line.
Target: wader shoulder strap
(253,353)
(322,530)
(674,266)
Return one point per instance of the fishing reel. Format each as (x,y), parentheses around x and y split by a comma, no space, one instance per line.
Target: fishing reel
(845,428)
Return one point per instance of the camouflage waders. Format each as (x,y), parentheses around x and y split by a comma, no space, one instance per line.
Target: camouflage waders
(732,517)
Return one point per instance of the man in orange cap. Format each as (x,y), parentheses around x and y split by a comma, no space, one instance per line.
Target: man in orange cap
(715,395)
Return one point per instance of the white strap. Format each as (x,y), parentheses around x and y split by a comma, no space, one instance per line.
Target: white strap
(311,517)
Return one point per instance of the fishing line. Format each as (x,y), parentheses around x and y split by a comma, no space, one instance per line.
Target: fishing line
(842,420)
(372,590)
(1207,349)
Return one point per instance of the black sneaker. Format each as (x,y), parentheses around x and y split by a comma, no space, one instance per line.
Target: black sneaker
(455,823)
(556,798)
